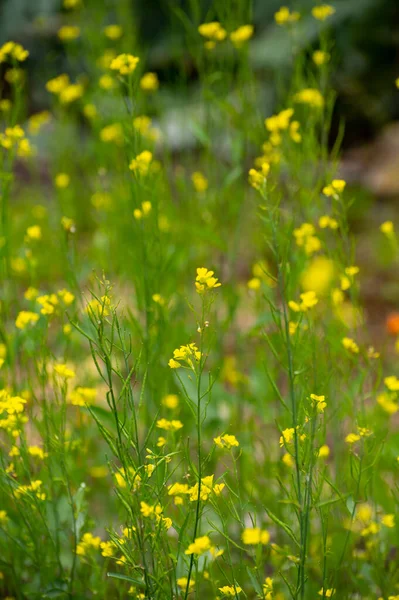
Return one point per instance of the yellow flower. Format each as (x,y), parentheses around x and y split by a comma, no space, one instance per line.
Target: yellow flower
(388,521)
(226,441)
(318,276)
(124,64)
(283,16)
(67,33)
(149,82)
(64,371)
(322,11)
(107,549)
(141,163)
(205,280)
(230,590)
(112,133)
(319,402)
(327,593)
(241,35)
(324,451)
(71,93)
(310,96)
(171,401)
(335,188)
(199,546)
(87,543)
(62,180)
(387,228)
(173,425)
(37,452)
(320,58)
(388,402)
(255,535)
(212,31)
(106,82)
(3,517)
(82,396)
(113,32)
(392,383)
(308,300)
(258,178)
(200,182)
(26,318)
(268,588)
(294,132)
(326,221)
(182,582)
(287,435)
(350,345)
(288,460)
(14,51)
(351,438)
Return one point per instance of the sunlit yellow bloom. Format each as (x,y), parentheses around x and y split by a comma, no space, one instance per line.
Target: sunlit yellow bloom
(87,543)
(321,12)
(64,371)
(392,383)
(82,396)
(320,58)
(254,536)
(283,16)
(258,178)
(149,82)
(287,435)
(310,96)
(67,33)
(113,32)
(351,438)
(141,164)
(230,590)
(62,180)
(112,133)
(326,221)
(226,441)
(205,280)
(318,276)
(388,521)
(124,64)
(26,318)
(350,345)
(335,188)
(34,232)
(14,51)
(37,452)
(308,300)
(182,582)
(199,546)
(212,31)
(324,451)
(173,425)
(171,401)
(319,402)
(327,593)
(200,182)
(241,35)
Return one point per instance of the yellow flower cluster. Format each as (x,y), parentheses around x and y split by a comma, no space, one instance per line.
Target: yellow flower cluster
(11,413)
(13,51)
(319,402)
(335,188)
(155,511)
(82,396)
(310,96)
(257,178)
(305,237)
(173,425)
(141,164)
(230,590)
(253,536)
(149,82)
(25,318)
(213,32)
(205,280)
(32,489)
(226,441)
(14,138)
(307,300)
(188,354)
(125,64)
(276,124)
(66,91)
(284,16)
(322,11)
(87,543)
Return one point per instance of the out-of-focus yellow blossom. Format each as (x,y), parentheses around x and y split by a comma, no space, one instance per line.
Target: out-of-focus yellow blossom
(68,224)
(392,383)
(90,111)
(324,451)
(161,442)
(107,82)
(62,180)
(257,178)
(308,300)
(34,232)
(14,76)
(58,84)
(387,228)
(310,96)
(319,402)
(87,543)
(68,33)
(143,124)
(82,396)
(33,488)
(70,4)
(64,371)
(5,105)
(141,164)
(113,32)
(125,64)
(388,521)
(205,280)
(318,276)
(328,222)
(320,58)
(241,35)
(182,582)
(268,588)
(72,92)
(108,549)
(37,452)
(158,299)
(226,441)
(26,318)
(3,517)
(48,303)
(328,593)
(199,546)
(112,134)
(173,425)
(200,182)
(351,438)
(304,237)
(138,214)
(350,345)
(294,132)
(287,435)
(149,82)
(254,535)
(284,16)
(66,296)
(335,188)
(230,590)
(12,50)
(171,401)
(323,11)
(212,31)
(99,308)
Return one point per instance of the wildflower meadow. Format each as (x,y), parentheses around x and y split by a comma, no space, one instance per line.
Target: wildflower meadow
(193,403)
